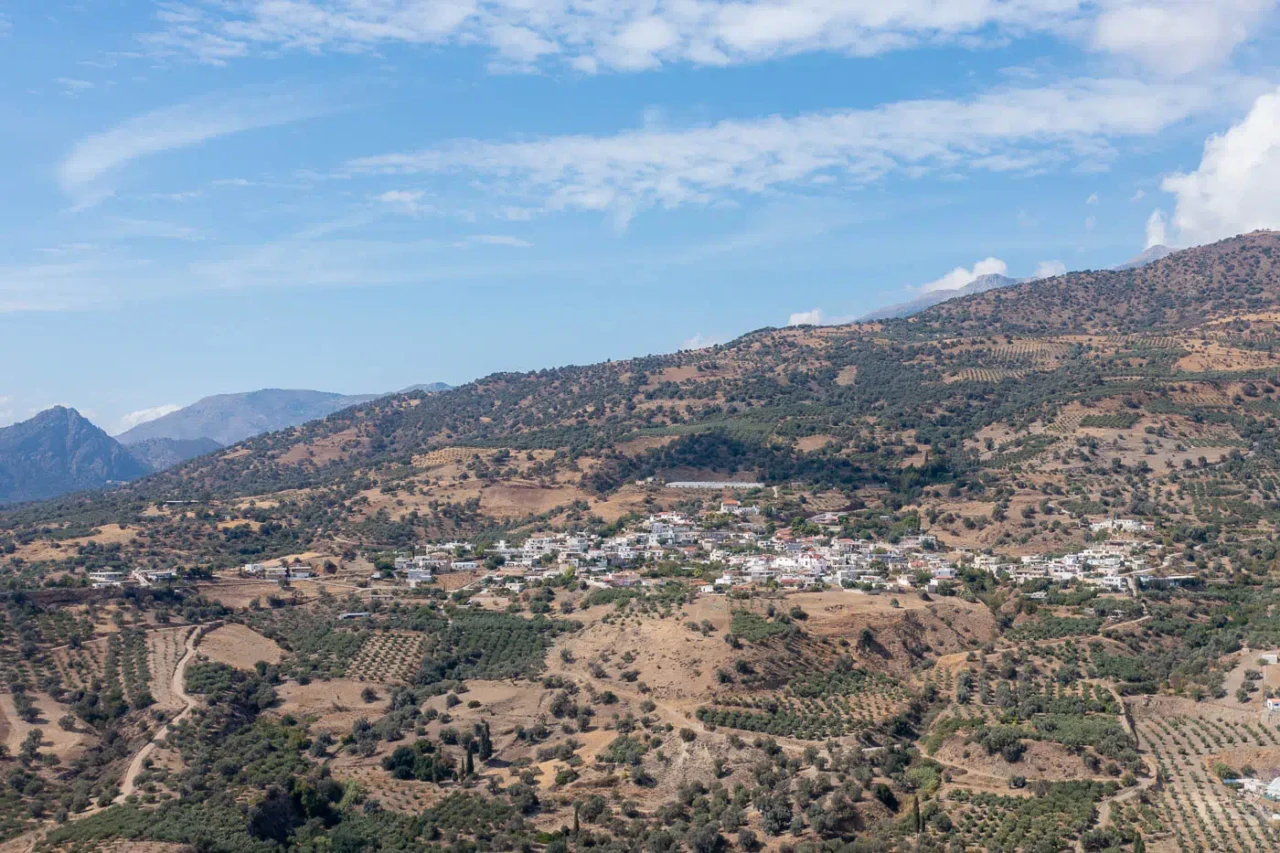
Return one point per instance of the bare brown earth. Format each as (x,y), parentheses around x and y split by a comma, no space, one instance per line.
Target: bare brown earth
(165,649)
(1041,761)
(239,646)
(47,549)
(56,739)
(335,705)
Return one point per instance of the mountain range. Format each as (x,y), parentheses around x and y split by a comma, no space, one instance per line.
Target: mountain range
(229,418)
(59,450)
(1083,389)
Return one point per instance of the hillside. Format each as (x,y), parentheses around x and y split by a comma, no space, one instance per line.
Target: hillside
(229,418)
(993,402)
(60,451)
(1002,584)
(157,454)
(1232,278)
(984,283)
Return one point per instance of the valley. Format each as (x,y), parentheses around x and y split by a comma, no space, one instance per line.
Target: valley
(1000,575)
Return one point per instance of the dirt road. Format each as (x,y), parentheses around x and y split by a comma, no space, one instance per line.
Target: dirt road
(179,673)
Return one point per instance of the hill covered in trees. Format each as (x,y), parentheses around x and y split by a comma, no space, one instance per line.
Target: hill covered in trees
(1133,390)
(945,691)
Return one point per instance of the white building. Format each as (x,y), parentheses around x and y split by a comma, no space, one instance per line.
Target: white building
(1123,525)
(414,577)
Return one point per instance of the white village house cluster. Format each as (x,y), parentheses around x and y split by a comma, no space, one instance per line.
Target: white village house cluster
(744,554)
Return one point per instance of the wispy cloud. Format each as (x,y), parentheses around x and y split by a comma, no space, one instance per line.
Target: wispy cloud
(71,86)
(1172,36)
(143,416)
(498,240)
(152,229)
(404,201)
(96,157)
(1008,129)
(77,278)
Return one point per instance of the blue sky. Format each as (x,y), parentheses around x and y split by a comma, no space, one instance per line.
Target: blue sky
(359,195)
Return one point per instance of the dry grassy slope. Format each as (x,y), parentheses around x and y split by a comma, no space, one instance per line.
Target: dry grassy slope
(674,669)
(1069,366)
(1233,276)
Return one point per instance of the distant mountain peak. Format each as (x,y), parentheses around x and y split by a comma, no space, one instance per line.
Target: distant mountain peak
(427,388)
(981,284)
(57,451)
(1148,256)
(231,418)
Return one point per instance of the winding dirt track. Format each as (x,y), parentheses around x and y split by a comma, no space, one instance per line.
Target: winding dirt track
(179,672)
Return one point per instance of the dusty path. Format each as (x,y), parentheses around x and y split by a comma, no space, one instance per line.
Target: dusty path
(179,672)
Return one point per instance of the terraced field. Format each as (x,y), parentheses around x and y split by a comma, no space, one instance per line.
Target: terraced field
(987,374)
(164,649)
(1202,813)
(812,708)
(387,657)
(80,666)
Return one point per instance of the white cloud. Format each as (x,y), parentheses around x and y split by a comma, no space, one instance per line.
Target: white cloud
(404,201)
(7,413)
(181,126)
(1093,199)
(629,35)
(1236,189)
(498,240)
(806,318)
(73,87)
(1177,36)
(76,278)
(1138,195)
(148,228)
(960,277)
(142,416)
(1090,222)
(1006,129)
(701,341)
(1157,229)
(1049,269)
